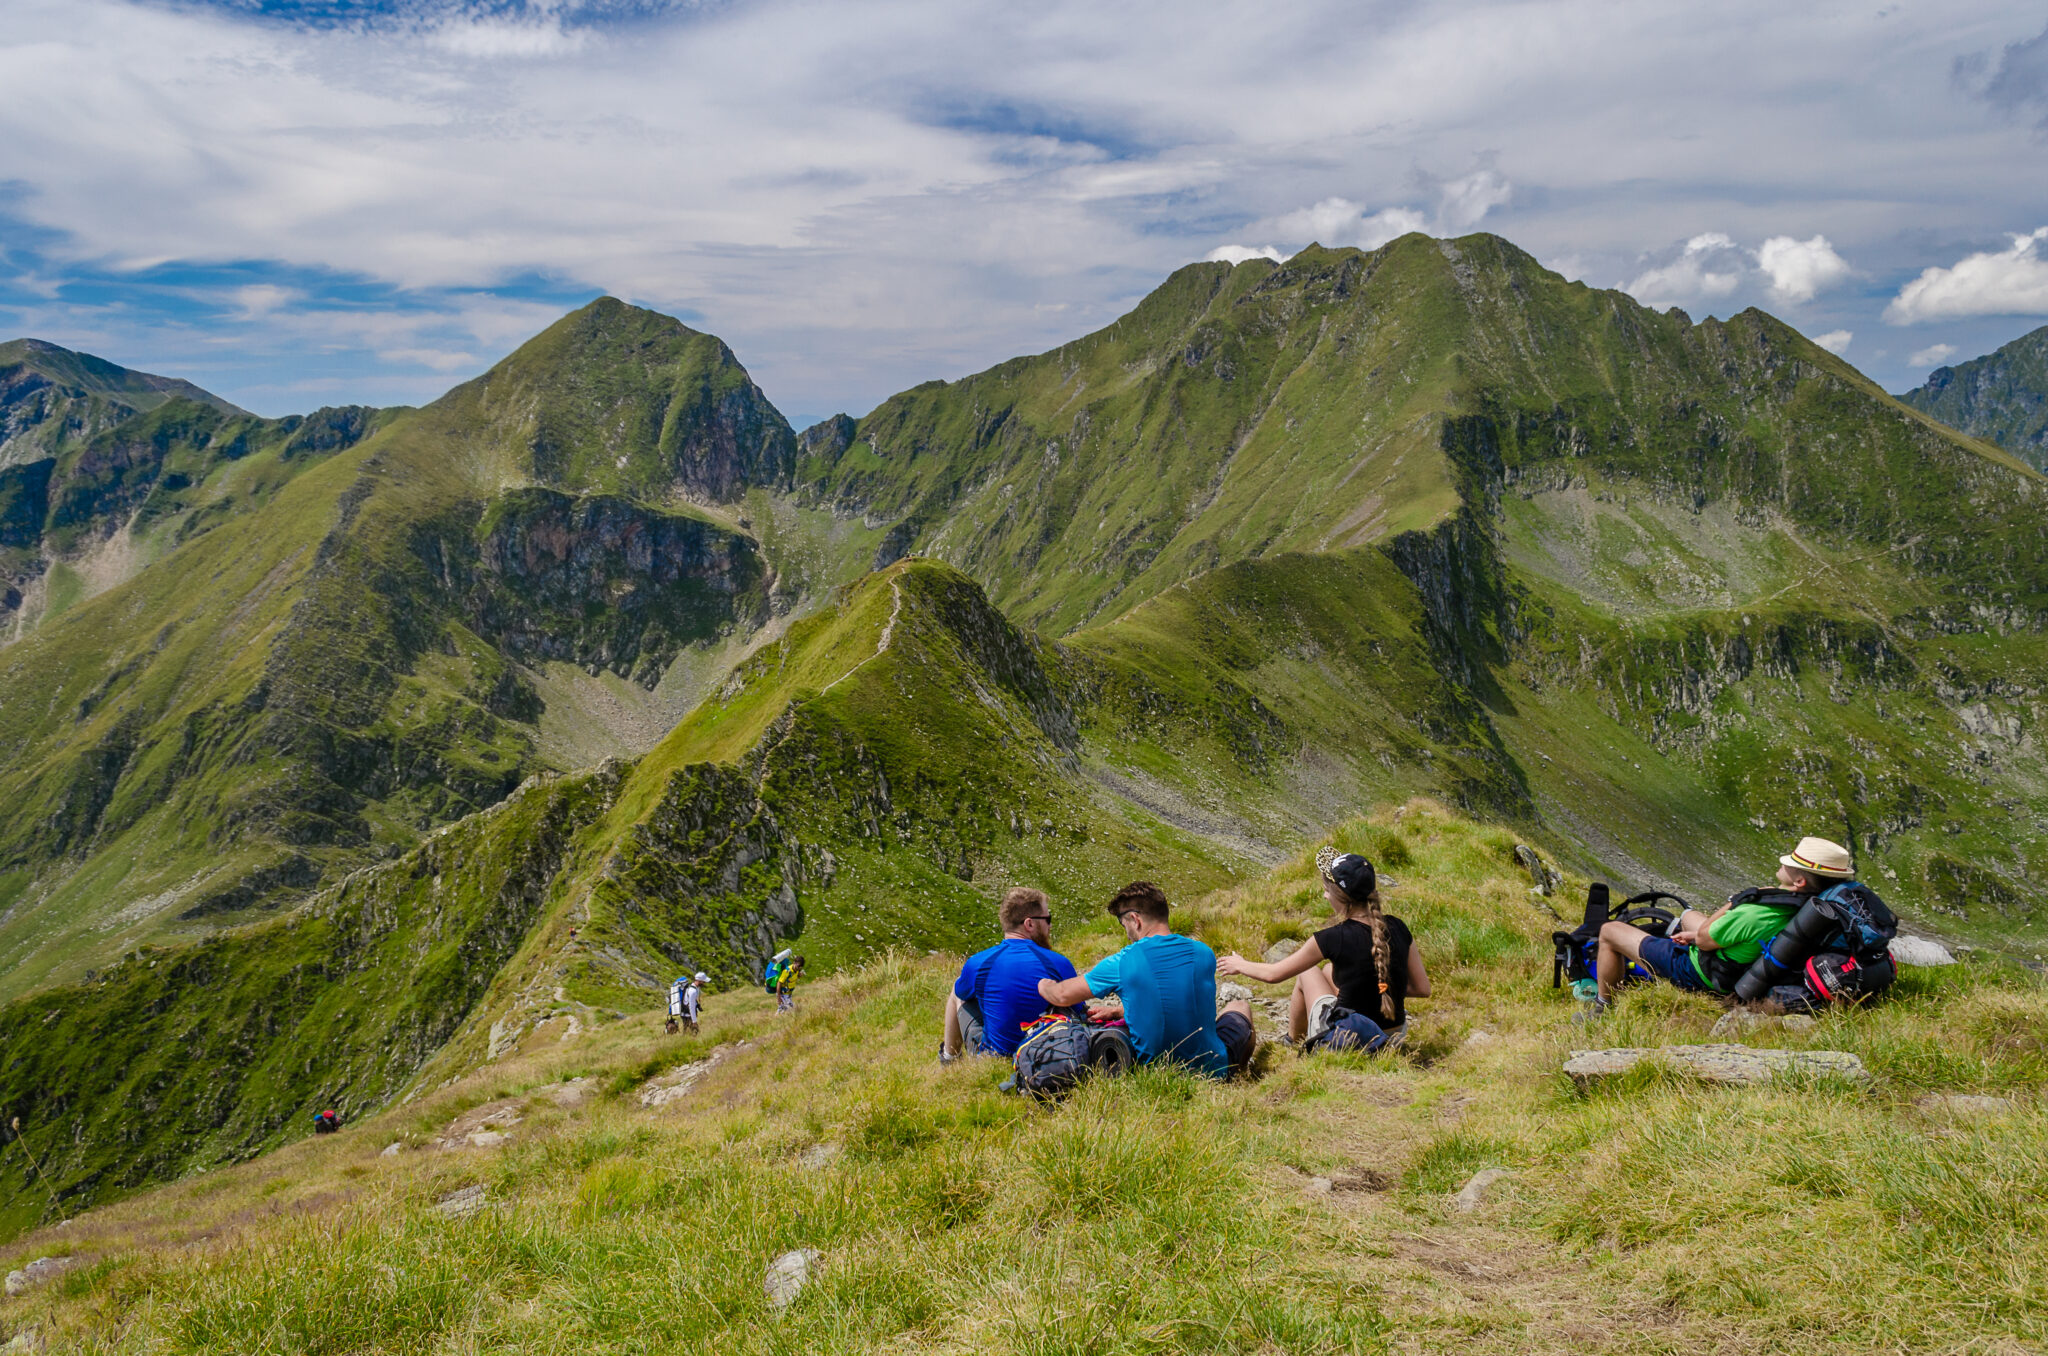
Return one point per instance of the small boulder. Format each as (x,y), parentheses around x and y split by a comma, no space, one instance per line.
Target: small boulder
(1319,1186)
(1920,951)
(488,1139)
(392,1149)
(37,1272)
(1473,1194)
(788,1275)
(1281,950)
(1966,1104)
(1797,1021)
(1479,1039)
(1729,1065)
(818,1156)
(467,1201)
(1739,1021)
(1231,993)
(1543,877)
(30,1340)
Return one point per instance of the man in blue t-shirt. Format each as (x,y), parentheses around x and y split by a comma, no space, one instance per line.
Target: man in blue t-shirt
(997,992)
(1167,984)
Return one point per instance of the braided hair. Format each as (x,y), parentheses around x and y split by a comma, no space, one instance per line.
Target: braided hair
(1366,911)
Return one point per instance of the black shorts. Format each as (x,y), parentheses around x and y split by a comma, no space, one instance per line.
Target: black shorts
(1234,1029)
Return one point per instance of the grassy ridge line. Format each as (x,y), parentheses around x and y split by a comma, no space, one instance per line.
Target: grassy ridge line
(179,1059)
(1159,1212)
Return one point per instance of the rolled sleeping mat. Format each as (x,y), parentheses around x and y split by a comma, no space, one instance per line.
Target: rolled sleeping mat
(1812,926)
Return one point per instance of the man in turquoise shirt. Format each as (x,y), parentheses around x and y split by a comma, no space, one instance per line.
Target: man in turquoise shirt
(1167,984)
(1708,952)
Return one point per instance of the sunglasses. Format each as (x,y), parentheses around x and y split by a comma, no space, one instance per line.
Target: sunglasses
(1044,918)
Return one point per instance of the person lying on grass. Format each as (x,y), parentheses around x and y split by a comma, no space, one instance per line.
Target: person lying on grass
(996,993)
(1709,953)
(1365,963)
(1167,984)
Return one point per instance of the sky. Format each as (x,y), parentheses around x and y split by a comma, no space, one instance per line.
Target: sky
(334,201)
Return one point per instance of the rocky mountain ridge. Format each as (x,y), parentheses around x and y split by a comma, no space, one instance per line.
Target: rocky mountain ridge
(2001,397)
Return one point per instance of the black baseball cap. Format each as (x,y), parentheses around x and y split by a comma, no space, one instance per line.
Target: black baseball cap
(1352,874)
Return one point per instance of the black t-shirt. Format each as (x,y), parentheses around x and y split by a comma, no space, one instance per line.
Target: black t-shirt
(1348,946)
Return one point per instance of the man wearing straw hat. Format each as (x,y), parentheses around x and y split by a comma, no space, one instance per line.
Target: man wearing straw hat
(1708,953)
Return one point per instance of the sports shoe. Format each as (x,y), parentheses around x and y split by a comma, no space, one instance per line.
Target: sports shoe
(1589,1013)
(944,1058)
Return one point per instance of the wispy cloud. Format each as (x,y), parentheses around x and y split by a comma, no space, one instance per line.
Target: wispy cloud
(1934,355)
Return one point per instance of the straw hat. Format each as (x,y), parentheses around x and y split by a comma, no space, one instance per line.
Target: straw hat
(1819,857)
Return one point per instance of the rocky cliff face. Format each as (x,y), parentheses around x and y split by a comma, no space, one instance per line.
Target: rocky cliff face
(2001,397)
(598,580)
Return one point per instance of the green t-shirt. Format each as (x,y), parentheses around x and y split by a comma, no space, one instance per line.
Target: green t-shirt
(1740,934)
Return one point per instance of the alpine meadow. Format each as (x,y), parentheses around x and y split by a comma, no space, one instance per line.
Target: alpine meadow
(395,760)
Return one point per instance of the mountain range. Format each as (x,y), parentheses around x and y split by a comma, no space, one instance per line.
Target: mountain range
(343,752)
(2001,397)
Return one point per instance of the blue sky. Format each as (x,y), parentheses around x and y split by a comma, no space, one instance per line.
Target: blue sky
(302,204)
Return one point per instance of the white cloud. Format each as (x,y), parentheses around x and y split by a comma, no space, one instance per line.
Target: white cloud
(1341,223)
(1800,268)
(1463,203)
(1238,254)
(1709,267)
(487,38)
(257,300)
(2010,282)
(434,359)
(1834,341)
(1934,355)
(862,194)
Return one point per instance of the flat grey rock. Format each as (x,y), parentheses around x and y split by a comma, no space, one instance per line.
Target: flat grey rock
(1967,1104)
(788,1275)
(1732,1065)
(1281,950)
(1232,993)
(467,1201)
(37,1272)
(1473,1194)
(1920,951)
(392,1150)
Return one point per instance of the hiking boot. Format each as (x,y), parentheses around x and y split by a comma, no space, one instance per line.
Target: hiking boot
(944,1058)
(1589,1013)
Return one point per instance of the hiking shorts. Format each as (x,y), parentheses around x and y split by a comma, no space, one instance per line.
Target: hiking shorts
(1234,1029)
(971,1027)
(1668,960)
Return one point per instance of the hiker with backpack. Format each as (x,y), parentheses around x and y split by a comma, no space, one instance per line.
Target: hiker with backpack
(1353,979)
(996,994)
(1710,953)
(693,1000)
(1167,985)
(785,984)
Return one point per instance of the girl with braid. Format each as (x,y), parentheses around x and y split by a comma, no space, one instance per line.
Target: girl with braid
(1365,962)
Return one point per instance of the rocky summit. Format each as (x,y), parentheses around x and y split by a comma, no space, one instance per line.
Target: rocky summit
(346,752)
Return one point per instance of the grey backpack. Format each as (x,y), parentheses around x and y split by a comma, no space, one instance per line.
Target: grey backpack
(1062,1051)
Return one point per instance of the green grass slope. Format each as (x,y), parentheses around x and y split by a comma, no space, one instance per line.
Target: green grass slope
(2001,397)
(52,398)
(325,656)
(1306,1211)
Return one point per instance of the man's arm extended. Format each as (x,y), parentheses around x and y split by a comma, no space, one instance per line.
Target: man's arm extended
(1064,993)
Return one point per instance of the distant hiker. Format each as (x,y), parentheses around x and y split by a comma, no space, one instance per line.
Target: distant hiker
(773,972)
(1355,976)
(996,994)
(1167,984)
(693,999)
(785,984)
(1710,953)
(675,1005)
(326,1122)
